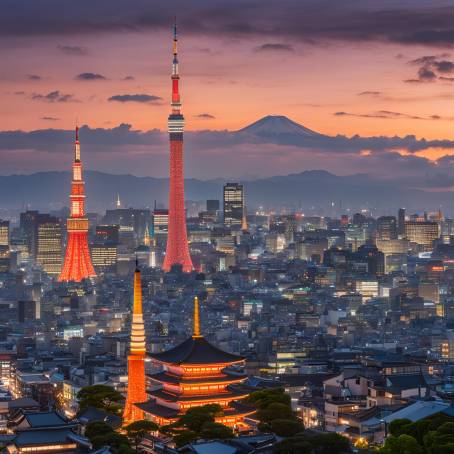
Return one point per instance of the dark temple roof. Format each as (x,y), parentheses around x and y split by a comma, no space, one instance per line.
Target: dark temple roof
(196,350)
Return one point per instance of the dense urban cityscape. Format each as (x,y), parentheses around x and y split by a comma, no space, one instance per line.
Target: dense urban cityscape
(223,326)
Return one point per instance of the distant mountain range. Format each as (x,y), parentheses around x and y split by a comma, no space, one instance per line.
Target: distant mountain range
(311,191)
(406,181)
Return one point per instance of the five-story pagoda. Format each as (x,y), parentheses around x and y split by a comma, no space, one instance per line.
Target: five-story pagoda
(196,373)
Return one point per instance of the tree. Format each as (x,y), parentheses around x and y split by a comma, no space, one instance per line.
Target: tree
(100,396)
(184,437)
(286,427)
(97,428)
(275,410)
(198,422)
(196,417)
(263,398)
(115,440)
(398,426)
(293,445)
(215,430)
(138,429)
(440,440)
(403,444)
(312,443)
(330,443)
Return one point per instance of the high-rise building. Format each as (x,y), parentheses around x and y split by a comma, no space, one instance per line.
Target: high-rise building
(5,259)
(28,228)
(233,204)
(107,234)
(177,250)
(135,218)
(423,233)
(4,233)
(160,221)
(136,360)
(48,244)
(4,247)
(77,264)
(104,257)
(213,206)
(387,228)
(26,311)
(401,222)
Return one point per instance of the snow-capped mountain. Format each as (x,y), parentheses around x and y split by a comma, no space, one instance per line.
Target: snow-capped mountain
(275,125)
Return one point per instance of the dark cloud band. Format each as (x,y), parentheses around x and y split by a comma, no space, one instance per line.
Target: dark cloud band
(407,22)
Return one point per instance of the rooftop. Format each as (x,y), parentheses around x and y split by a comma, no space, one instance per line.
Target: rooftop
(196,350)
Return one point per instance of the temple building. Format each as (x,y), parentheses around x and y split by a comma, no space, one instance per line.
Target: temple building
(193,374)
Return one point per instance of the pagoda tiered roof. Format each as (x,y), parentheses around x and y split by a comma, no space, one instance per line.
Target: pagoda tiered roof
(196,350)
(234,393)
(166,377)
(152,407)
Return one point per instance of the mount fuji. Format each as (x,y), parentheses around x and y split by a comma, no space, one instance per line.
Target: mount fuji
(275,125)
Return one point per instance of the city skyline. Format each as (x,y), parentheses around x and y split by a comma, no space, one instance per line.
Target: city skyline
(393,78)
(271,271)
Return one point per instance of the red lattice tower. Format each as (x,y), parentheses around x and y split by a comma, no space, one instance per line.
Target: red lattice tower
(136,360)
(77,264)
(177,250)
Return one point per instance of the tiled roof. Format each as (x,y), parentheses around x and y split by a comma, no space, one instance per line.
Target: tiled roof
(45,419)
(196,350)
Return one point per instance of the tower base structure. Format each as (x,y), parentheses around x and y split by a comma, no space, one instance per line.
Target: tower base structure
(77,265)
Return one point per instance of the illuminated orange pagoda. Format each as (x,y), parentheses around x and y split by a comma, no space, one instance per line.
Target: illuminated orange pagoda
(136,359)
(196,373)
(77,264)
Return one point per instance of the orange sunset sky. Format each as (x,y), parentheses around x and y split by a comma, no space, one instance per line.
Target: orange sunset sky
(349,68)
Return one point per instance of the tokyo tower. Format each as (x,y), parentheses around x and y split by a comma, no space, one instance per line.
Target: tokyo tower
(77,264)
(177,251)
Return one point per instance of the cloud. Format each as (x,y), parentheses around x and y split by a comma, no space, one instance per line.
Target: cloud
(90,76)
(73,50)
(409,22)
(50,118)
(34,77)
(426,75)
(141,98)
(370,93)
(54,96)
(128,78)
(274,47)
(205,116)
(444,66)
(430,68)
(211,154)
(387,114)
